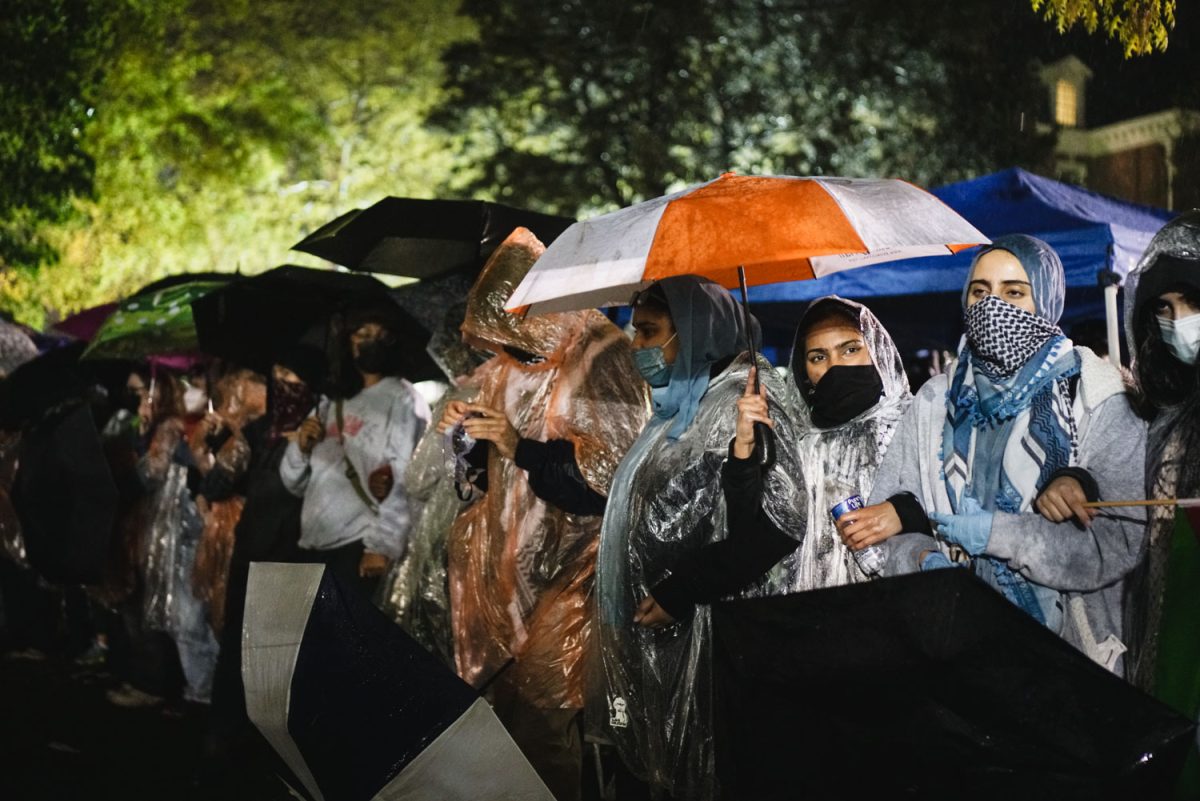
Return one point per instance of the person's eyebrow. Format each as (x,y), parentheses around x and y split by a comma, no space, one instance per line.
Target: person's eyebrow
(1016,281)
(855,341)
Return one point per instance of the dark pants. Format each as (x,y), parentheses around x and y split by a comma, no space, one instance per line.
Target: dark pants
(551,739)
(343,563)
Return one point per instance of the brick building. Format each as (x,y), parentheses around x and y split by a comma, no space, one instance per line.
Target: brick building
(1152,159)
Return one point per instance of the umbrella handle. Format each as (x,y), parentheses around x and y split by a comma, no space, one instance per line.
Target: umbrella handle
(764,443)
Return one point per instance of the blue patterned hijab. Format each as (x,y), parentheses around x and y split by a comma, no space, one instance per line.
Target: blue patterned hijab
(710,327)
(1006,435)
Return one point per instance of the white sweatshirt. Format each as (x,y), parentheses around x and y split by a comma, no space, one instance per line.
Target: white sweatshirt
(380,426)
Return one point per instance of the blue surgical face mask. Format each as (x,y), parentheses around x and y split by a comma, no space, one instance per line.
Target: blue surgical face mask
(652,363)
(1182,336)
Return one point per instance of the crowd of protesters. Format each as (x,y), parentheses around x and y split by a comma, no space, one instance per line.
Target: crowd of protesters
(556,528)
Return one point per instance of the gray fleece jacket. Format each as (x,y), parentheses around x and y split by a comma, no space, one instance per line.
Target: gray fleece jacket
(1087,568)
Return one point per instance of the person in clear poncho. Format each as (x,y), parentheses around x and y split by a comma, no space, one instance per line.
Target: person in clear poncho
(848,393)
(1162,318)
(417,593)
(1002,452)
(559,404)
(667,502)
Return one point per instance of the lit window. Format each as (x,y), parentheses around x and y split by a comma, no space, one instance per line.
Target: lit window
(1066,111)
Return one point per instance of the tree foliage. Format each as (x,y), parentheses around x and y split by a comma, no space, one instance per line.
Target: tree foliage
(223,129)
(1141,26)
(591,104)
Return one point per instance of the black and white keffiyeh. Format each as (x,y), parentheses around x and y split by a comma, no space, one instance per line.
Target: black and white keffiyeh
(1003,337)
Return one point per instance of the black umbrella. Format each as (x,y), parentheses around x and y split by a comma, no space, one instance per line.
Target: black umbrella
(357,709)
(255,320)
(56,376)
(65,497)
(926,686)
(424,238)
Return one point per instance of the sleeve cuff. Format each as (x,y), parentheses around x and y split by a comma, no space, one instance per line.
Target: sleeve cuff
(913,518)
(671,596)
(530,454)
(1086,481)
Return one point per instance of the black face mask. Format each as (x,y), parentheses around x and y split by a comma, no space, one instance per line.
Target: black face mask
(844,392)
(130,400)
(375,357)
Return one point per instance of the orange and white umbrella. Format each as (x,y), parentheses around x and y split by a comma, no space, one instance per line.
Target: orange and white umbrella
(780,228)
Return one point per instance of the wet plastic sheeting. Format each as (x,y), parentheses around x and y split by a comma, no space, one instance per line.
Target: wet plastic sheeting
(66,498)
(926,686)
(357,708)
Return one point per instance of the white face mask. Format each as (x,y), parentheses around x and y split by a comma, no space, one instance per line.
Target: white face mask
(194,400)
(1182,337)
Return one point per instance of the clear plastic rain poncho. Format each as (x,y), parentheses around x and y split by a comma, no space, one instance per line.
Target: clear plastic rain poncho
(840,461)
(1173,437)
(417,593)
(173,518)
(666,502)
(521,571)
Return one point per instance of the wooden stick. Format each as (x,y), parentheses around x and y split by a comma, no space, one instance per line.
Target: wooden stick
(1155,502)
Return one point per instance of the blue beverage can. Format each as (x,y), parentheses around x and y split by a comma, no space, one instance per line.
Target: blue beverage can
(848,505)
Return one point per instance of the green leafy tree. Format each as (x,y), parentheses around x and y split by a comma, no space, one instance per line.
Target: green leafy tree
(223,130)
(591,104)
(1141,26)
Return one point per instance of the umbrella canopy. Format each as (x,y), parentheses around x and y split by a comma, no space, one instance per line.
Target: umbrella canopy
(66,498)
(16,348)
(424,238)
(254,320)
(357,709)
(156,320)
(1089,231)
(779,228)
(926,686)
(85,324)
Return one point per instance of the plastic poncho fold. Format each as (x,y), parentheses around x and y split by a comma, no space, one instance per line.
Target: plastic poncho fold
(522,571)
(666,502)
(840,461)
(1179,238)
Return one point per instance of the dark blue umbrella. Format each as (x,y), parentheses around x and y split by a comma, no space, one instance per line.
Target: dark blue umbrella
(357,709)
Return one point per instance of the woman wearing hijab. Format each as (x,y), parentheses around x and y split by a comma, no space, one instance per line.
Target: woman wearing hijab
(1003,452)
(849,391)
(666,502)
(1162,313)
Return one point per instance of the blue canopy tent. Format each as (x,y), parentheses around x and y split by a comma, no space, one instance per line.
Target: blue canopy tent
(1091,232)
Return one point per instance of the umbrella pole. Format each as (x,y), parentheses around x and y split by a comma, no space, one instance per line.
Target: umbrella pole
(763,436)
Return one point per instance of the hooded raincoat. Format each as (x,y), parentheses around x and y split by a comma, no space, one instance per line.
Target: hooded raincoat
(666,502)
(417,594)
(841,460)
(1001,441)
(522,571)
(1173,446)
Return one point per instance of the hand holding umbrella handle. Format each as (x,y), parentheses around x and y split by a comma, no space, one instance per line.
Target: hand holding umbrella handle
(764,444)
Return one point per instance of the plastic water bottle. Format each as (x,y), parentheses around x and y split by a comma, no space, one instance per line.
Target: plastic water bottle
(870,559)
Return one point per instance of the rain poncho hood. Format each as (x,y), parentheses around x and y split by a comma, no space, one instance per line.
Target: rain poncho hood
(666,502)
(486,318)
(710,327)
(1180,239)
(521,571)
(840,461)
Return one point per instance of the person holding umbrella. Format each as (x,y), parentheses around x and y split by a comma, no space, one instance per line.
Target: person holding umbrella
(558,406)
(348,460)
(667,503)
(848,393)
(1003,452)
